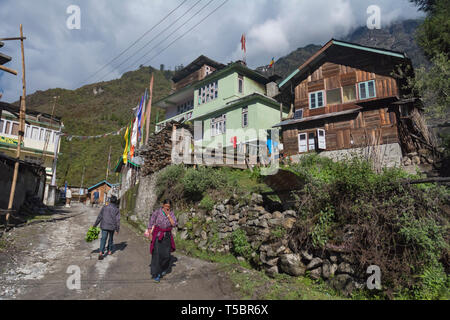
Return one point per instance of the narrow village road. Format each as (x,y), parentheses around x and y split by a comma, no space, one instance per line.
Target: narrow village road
(36,266)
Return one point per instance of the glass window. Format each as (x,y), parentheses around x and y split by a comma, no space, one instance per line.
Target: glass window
(349,93)
(316,100)
(311,141)
(1,125)
(35,133)
(244,116)
(240,84)
(15,129)
(334,96)
(367,90)
(8,127)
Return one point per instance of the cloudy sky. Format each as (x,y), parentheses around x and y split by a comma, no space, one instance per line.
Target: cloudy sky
(59,57)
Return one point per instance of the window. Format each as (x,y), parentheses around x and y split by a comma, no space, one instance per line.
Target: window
(218,125)
(208,92)
(241,84)
(316,100)
(184,107)
(35,133)
(2,123)
(27,131)
(311,141)
(367,90)
(15,129)
(244,117)
(349,93)
(298,114)
(302,145)
(8,127)
(334,96)
(321,139)
(41,135)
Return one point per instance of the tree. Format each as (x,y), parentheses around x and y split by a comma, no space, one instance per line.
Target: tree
(425,5)
(434,34)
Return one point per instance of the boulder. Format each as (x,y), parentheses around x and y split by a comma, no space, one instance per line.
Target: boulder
(272,262)
(292,265)
(290,213)
(277,215)
(345,267)
(272,271)
(220,208)
(305,254)
(314,263)
(288,223)
(263,224)
(256,198)
(203,235)
(184,235)
(275,222)
(407,162)
(182,219)
(416,160)
(326,269)
(315,273)
(340,281)
(242,220)
(333,258)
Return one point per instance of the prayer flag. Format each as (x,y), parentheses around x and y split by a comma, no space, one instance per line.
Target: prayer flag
(125,151)
(271,63)
(243,48)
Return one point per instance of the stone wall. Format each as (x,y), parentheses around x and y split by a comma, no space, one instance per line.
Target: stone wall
(268,235)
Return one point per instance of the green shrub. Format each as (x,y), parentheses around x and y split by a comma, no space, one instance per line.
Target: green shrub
(241,247)
(207,203)
(197,181)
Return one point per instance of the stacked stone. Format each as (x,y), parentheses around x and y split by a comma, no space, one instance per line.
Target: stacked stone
(423,156)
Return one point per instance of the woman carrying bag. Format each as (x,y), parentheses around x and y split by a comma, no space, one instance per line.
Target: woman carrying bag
(162,244)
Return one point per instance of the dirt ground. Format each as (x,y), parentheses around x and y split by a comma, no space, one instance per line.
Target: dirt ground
(39,256)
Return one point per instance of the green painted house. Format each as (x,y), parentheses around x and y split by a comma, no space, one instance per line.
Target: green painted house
(228,104)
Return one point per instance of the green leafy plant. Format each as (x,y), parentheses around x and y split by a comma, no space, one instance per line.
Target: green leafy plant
(92,234)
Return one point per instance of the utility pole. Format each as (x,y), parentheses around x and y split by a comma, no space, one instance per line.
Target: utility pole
(149,110)
(21,131)
(109,159)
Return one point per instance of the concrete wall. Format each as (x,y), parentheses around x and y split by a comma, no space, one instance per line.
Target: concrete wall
(27,183)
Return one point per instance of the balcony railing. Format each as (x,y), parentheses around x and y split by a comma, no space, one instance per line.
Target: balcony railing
(179,118)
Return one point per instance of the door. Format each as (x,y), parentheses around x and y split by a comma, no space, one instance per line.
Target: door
(311,141)
(321,139)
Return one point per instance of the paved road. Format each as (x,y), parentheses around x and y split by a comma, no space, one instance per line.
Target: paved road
(36,266)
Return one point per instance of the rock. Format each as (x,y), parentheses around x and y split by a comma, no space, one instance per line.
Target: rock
(315,262)
(220,208)
(226,201)
(215,212)
(424,152)
(288,223)
(242,220)
(241,258)
(182,219)
(275,222)
(290,213)
(412,154)
(333,269)
(272,271)
(345,267)
(280,250)
(305,254)
(266,216)
(326,269)
(233,217)
(203,235)
(256,198)
(430,160)
(235,227)
(227,229)
(277,215)
(292,265)
(348,258)
(272,262)
(315,273)
(333,258)
(416,160)
(263,224)
(407,162)
(133,218)
(226,247)
(340,281)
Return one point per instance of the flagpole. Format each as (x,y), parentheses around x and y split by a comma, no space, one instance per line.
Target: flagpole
(149,110)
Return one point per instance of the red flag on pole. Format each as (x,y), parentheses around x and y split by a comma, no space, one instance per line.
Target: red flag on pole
(243,43)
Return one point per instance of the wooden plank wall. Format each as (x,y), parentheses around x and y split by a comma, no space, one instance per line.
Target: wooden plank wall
(368,127)
(331,76)
(193,77)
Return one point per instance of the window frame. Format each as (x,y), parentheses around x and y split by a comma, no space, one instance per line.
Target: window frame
(355,87)
(340,96)
(240,83)
(244,116)
(366,88)
(316,94)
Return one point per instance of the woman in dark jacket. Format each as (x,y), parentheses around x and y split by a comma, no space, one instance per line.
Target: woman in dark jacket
(162,244)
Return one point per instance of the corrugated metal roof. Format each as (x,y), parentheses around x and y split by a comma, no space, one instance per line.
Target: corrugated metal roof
(322,116)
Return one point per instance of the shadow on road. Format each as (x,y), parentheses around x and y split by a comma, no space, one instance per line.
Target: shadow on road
(117,247)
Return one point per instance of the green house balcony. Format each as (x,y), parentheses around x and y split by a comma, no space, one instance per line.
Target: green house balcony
(178,118)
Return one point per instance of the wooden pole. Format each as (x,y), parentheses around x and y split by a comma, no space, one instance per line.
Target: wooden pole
(149,110)
(81,187)
(21,130)
(281,112)
(14,72)
(109,160)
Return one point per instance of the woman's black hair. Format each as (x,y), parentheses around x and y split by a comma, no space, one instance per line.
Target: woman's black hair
(167,201)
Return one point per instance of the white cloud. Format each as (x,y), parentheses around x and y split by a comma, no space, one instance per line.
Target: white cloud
(58,57)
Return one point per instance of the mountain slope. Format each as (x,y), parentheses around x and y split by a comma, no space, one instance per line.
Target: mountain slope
(398,36)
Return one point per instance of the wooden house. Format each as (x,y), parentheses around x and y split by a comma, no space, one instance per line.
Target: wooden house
(103,188)
(346,97)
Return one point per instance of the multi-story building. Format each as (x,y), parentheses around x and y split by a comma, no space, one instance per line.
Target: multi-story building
(39,140)
(347,97)
(229,103)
